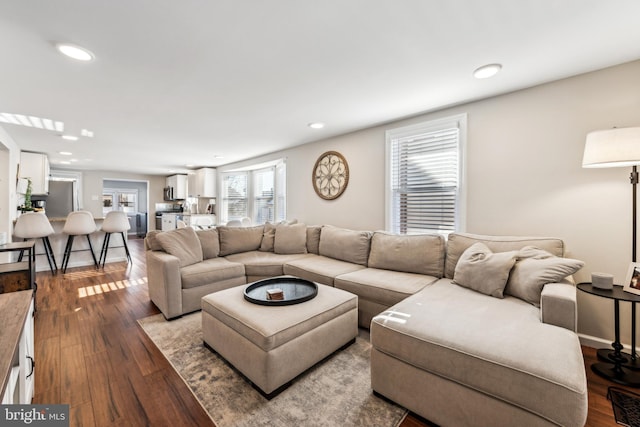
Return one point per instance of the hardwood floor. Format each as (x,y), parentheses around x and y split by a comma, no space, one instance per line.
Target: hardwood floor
(91,354)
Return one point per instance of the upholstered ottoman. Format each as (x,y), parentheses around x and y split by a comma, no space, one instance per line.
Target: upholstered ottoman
(271,345)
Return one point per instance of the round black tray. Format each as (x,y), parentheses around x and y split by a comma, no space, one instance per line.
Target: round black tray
(295,291)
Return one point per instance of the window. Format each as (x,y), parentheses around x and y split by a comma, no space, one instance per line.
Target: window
(424,176)
(258,193)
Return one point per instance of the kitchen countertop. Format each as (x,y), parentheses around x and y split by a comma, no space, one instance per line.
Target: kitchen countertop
(14,307)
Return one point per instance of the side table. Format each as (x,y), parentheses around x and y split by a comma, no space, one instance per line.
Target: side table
(613,368)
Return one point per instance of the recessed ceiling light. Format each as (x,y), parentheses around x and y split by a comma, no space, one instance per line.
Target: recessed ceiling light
(66,153)
(64,163)
(70,137)
(316,125)
(75,52)
(487,71)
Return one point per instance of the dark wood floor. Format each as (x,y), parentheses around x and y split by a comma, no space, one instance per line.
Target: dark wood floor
(92,354)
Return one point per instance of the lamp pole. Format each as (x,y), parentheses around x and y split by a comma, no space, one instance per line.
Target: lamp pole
(634,183)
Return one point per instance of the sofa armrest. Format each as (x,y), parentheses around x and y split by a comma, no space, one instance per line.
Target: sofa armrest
(559,306)
(164,282)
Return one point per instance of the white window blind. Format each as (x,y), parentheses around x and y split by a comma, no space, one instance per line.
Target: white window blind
(234,199)
(424,178)
(263,193)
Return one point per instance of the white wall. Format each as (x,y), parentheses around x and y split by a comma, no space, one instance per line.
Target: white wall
(9,159)
(524,175)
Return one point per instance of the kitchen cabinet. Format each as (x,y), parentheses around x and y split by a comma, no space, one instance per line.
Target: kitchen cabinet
(16,348)
(35,166)
(203,183)
(178,184)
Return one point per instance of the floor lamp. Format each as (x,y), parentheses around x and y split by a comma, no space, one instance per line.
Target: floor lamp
(619,147)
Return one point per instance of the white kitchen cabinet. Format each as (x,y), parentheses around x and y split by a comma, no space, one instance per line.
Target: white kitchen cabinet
(179,185)
(204,183)
(35,166)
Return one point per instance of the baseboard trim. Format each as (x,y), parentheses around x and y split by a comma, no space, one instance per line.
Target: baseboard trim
(596,342)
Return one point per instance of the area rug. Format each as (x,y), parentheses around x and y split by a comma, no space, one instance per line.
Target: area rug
(335,392)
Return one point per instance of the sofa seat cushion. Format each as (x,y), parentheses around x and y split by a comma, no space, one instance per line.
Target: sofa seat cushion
(496,346)
(384,287)
(258,263)
(318,268)
(210,271)
(270,327)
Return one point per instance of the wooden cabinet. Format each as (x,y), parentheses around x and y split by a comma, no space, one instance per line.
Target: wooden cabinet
(203,183)
(179,185)
(16,348)
(19,275)
(35,166)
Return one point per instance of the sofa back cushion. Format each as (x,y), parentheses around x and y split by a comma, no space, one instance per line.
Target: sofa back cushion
(183,243)
(419,253)
(459,242)
(290,239)
(234,240)
(210,243)
(345,245)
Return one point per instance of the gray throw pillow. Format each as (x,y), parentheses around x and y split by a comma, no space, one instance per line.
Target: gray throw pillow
(290,239)
(183,243)
(484,271)
(535,268)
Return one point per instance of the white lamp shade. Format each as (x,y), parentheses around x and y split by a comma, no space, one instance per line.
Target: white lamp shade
(612,148)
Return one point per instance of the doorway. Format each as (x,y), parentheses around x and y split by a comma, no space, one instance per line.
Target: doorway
(130,196)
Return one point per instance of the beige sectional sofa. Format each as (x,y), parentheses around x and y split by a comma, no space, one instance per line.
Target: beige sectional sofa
(475,330)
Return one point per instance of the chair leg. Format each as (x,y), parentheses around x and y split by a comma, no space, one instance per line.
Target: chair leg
(67,253)
(103,251)
(49,254)
(126,248)
(93,255)
(53,258)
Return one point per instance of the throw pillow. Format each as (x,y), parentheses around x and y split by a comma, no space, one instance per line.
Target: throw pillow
(535,268)
(313,239)
(290,239)
(268,237)
(484,271)
(210,243)
(183,243)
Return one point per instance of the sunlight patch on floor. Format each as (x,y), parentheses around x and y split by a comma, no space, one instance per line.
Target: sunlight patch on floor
(102,288)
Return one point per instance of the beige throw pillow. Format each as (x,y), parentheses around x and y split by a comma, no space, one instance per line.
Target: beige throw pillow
(210,243)
(416,253)
(484,271)
(183,243)
(290,239)
(534,269)
(268,237)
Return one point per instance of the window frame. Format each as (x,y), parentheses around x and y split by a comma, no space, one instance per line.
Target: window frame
(459,121)
(279,186)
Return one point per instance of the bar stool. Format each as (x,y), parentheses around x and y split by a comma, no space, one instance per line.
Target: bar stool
(36,225)
(114,222)
(79,223)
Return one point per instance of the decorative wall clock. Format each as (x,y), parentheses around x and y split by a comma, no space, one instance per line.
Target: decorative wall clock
(330,175)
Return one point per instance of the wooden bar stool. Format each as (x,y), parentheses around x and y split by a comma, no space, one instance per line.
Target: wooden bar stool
(78,223)
(36,225)
(114,222)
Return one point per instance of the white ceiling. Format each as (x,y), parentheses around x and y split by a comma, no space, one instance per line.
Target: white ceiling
(178,83)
